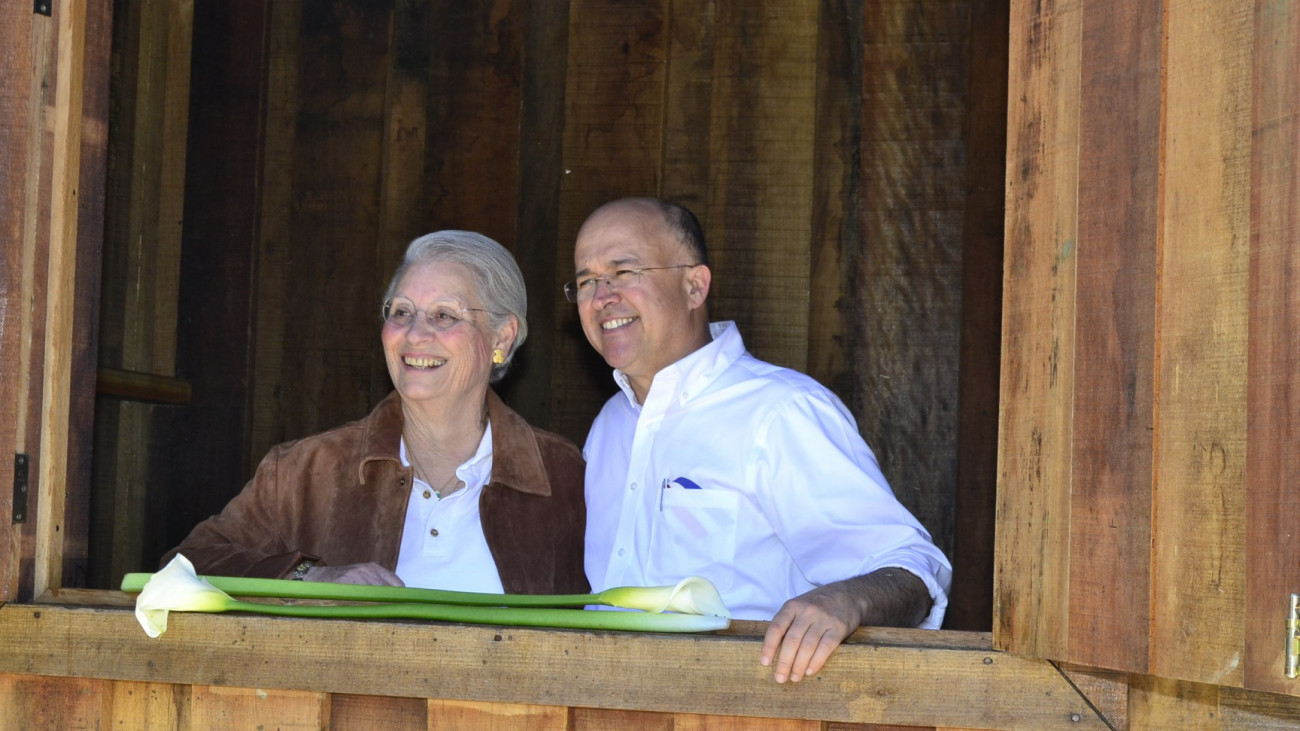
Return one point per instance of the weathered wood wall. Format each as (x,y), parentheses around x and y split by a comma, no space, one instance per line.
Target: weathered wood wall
(823,144)
(1146,501)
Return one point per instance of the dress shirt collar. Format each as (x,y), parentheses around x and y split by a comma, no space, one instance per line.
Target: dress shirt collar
(690,376)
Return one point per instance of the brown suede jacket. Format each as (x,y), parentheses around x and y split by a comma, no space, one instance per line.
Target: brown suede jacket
(340,497)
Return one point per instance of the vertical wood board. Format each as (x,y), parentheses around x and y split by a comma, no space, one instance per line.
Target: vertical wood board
(614,97)
(907,278)
(1112,483)
(1198,558)
(1273,391)
(761,174)
(1032,559)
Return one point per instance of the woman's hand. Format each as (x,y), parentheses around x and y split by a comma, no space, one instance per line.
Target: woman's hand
(357,573)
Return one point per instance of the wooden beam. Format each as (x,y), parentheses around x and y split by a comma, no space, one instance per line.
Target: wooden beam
(862,683)
(60,295)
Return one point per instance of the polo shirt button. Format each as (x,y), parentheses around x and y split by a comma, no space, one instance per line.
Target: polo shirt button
(620,552)
(427,494)
(634,486)
(433,532)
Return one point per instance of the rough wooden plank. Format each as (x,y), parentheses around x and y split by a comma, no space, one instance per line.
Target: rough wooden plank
(213,707)
(694,674)
(837,200)
(699,722)
(24,50)
(1107,691)
(1113,408)
(688,105)
(1273,394)
(612,148)
(61,311)
(970,603)
(1032,559)
(269,401)
(761,160)
(1162,703)
(541,169)
(455,715)
(472,173)
(363,712)
(34,702)
(599,719)
(1198,556)
(329,342)
(907,281)
(149,706)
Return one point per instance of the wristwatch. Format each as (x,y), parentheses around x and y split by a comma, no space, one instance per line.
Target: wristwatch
(300,571)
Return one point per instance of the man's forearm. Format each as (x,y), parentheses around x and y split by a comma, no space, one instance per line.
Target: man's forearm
(890,597)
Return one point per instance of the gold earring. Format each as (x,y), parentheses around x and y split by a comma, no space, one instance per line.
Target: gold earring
(498,356)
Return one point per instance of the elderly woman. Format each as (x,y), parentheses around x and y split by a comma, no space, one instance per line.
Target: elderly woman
(442,485)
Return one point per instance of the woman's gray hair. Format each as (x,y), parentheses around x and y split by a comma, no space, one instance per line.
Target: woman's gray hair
(500,283)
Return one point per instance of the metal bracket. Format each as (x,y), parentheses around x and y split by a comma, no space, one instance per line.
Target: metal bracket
(20,488)
(1293,638)
(43,7)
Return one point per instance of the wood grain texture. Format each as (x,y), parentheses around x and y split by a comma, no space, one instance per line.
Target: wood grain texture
(1032,559)
(698,674)
(541,170)
(58,378)
(149,706)
(761,174)
(455,715)
(35,702)
(1198,554)
(23,59)
(331,330)
(214,707)
(364,712)
(1113,407)
(907,280)
(268,401)
(1273,394)
(836,198)
(613,139)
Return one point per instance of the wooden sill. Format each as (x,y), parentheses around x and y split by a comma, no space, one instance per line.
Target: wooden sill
(883,676)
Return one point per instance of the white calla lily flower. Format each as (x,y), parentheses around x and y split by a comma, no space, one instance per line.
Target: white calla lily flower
(177,588)
(691,595)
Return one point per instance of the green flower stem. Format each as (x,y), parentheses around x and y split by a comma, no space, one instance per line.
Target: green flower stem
(518,617)
(286,589)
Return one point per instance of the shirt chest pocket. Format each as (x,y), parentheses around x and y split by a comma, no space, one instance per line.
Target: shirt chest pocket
(695,534)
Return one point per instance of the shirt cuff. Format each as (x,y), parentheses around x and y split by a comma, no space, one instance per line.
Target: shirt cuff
(937,577)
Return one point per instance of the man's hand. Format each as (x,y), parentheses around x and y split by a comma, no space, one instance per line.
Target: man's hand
(809,627)
(355,573)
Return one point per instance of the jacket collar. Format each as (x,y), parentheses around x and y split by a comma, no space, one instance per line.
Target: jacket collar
(516,460)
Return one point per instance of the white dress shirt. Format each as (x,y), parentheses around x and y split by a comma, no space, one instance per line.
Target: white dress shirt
(750,475)
(443,546)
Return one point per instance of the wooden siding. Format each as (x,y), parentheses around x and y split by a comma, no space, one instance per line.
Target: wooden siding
(1144,490)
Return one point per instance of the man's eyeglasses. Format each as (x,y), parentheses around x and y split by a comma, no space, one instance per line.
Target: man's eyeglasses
(582,290)
(402,312)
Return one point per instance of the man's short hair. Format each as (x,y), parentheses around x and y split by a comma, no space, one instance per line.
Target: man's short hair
(686,227)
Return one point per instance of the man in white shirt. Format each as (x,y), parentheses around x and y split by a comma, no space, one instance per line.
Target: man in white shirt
(711,462)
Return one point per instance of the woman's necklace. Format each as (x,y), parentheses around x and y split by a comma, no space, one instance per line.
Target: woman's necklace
(455,479)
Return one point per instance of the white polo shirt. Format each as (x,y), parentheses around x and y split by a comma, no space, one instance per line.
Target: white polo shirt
(443,546)
(751,475)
